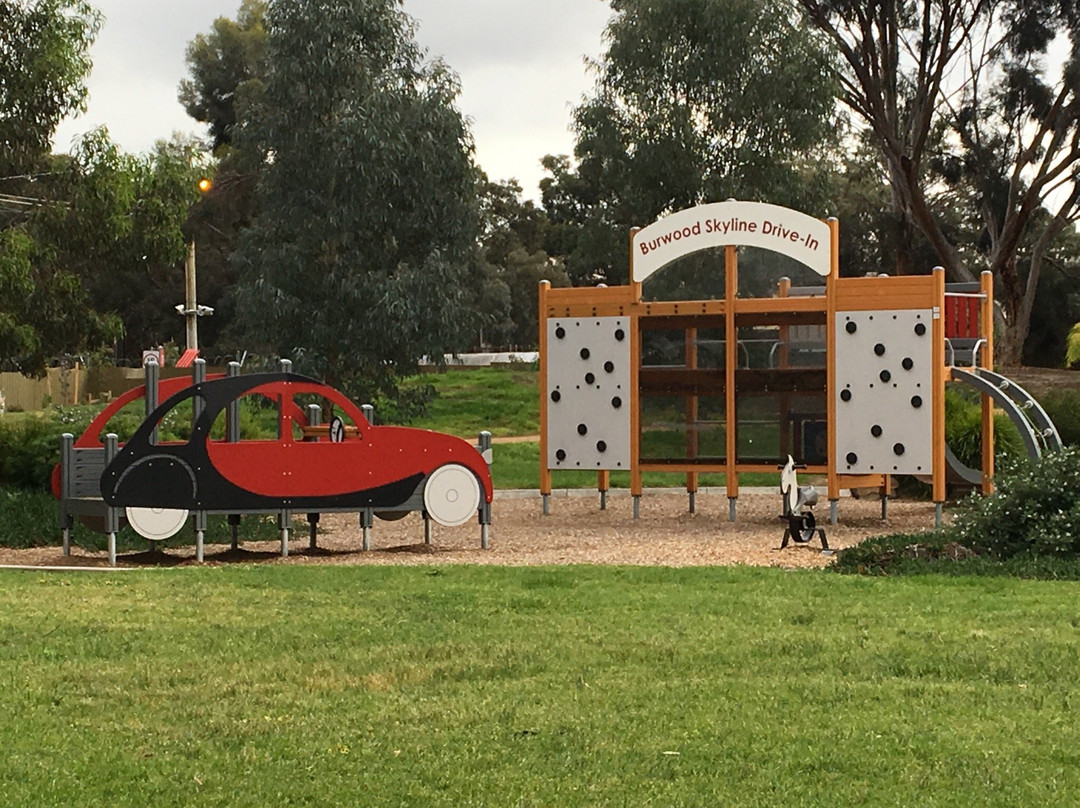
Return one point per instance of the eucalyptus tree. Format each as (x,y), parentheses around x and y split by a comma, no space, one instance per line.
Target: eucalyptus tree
(44,61)
(980,98)
(695,101)
(367,222)
(227,68)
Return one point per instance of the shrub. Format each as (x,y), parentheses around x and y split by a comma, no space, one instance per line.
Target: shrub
(963,431)
(1035,510)
(1063,407)
(1030,527)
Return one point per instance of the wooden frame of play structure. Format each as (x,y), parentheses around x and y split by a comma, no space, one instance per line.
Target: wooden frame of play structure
(854,386)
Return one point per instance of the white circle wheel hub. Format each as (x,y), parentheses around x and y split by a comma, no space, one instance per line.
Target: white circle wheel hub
(156,524)
(452,495)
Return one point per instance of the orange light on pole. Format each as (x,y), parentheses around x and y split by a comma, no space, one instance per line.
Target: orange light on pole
(205,184)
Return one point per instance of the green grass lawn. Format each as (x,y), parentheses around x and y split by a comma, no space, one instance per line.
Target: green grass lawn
(268,686)
(504,400)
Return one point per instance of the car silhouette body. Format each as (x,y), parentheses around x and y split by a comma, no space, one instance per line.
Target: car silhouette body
(312,468)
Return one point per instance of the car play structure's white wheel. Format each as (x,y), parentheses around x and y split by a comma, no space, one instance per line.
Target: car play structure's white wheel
(452,495)
(157,524)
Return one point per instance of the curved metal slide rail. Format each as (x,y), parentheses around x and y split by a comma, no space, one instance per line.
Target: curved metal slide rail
(1036,428)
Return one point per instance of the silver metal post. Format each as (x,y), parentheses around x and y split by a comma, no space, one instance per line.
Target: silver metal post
(367,519)
(545,504)
(284,522)
(67,472)
(731,508)
(637,506)
(833,516)
(112,515)
(693,503)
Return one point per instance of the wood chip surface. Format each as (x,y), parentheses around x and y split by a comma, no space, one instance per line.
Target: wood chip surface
(576,531)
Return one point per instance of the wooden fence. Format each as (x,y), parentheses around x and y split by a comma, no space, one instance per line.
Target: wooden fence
(78,385)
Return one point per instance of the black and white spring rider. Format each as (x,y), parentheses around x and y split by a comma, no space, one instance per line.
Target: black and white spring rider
(801,525)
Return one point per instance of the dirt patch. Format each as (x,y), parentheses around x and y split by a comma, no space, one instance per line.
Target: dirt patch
(1040,381)
(575,532)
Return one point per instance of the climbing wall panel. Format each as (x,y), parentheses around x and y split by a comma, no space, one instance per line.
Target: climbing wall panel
(589,395)
(884,392)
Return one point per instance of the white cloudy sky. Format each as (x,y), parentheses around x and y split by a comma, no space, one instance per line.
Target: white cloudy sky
(521,64)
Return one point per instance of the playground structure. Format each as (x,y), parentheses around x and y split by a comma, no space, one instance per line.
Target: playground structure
(343,464)
(845,375)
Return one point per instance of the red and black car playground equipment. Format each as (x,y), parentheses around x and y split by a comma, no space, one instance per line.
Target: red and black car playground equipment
(346,464)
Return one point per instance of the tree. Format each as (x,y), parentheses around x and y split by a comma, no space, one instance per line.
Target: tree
(367,197)
(44,60)
(963,91)
(512,234)
(695,101)
(1072,347)
(228,71)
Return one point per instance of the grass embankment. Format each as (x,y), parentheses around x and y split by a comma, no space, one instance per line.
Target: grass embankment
(535,687)
(504,401)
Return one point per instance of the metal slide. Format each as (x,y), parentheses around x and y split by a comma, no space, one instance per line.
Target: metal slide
(1034,425)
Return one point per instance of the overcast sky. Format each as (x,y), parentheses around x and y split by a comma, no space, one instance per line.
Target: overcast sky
(521,64)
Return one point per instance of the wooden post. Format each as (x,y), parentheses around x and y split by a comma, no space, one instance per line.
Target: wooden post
(545,472)
(731,362)
(692,447)
(938,347)
(986,360)
(830,361)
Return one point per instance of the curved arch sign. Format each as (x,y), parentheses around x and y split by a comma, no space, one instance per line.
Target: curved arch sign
(719,224)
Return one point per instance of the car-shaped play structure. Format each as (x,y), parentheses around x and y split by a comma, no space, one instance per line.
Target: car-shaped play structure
(343,463)
(307,468)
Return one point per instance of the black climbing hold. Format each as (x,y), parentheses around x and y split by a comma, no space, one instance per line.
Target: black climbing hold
(845,395)
(589,378)
(852,458)
(556,396)
(898,449)
(609,367)
(620,335)
(916,401)
(601,446)
(879,349)
(560,455)
(851,328)
(920,329)
(908,364)
(616,402)
(582,429)
(584,353)
(885,375)
(560,332)
(875,430)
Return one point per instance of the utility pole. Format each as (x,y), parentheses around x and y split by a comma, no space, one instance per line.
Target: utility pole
(190,308)
(191,313)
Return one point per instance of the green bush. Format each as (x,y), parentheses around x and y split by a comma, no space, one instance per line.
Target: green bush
(1034,511)
(1029,527)
(28,451)
(963,431)
(30,518)
(1063,407)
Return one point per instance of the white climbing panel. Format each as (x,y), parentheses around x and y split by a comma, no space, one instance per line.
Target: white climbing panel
(588,390)
(884,392)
